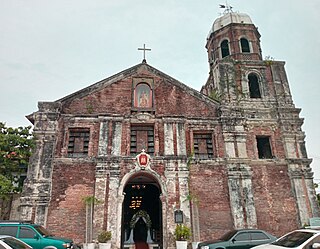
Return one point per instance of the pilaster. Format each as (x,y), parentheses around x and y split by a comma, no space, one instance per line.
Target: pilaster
(241,196)
(36,192)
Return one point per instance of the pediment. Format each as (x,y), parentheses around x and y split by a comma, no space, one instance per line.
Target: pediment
(122,94)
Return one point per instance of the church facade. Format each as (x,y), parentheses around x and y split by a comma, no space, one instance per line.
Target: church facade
(153,152)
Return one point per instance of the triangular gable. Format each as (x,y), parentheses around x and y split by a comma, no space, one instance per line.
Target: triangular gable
(127,73)
(82,100)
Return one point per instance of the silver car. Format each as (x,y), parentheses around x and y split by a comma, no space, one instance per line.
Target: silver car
(298,239)
(9,242)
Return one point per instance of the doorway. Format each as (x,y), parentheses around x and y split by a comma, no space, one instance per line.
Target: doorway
(141,213)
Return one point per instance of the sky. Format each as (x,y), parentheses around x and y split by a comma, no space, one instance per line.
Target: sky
(50,49)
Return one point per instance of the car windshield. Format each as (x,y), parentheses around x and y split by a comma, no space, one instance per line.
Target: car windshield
(227,236)
(14,243)
(293,239)
(42,231)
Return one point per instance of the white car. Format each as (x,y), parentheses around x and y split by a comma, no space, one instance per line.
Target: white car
(298,239)
(9,242)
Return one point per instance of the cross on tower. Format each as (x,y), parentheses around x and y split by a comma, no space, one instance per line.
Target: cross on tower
(144,52)
(227,7)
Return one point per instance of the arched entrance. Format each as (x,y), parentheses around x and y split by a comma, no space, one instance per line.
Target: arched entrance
(141,223)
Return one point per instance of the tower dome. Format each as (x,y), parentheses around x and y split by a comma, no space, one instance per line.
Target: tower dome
(229,18)
(233,35)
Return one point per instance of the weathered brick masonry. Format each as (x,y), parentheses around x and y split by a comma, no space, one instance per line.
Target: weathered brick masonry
(230,156)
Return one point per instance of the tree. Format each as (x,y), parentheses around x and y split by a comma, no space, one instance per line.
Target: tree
(316,185)
(15,149)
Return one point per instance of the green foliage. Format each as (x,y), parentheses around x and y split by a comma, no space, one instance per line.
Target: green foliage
(89,106)
(268,60)
(90,199)
(104,236)
(192,197)
(190,159)
(215,95)
(15,150)
(182,232)
(6,187)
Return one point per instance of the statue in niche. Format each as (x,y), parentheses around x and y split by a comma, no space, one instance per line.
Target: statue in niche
(143,100)
(143,96)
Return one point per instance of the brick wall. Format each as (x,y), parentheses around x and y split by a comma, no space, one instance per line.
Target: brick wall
(70,183)
(209,184)
(273,197)
(170,100)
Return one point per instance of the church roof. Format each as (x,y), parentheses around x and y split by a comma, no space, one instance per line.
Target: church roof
(229,18)
(140,70)
(127,73)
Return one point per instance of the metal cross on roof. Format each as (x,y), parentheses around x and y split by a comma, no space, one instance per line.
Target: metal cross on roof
(144,52)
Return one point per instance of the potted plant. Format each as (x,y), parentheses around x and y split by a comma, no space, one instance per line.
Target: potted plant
(103,238)
(182,234)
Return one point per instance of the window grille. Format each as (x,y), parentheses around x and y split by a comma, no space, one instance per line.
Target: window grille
(78,145)
(203,146)
(142,137)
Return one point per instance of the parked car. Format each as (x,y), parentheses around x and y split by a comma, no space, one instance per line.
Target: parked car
(297,239)
(239,239)
(34,235)
(9,242)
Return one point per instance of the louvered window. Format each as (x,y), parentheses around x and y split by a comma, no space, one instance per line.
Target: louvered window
(203,146)
(78,145)
(245,47)
(142,137)
(225,48)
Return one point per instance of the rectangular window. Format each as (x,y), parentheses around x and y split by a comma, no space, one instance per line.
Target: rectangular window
(9,230)
(142,137)
(258,236)
(27,233)
(78,142)
(264,148)
(203,146)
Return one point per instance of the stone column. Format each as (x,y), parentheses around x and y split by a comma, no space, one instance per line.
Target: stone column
(114,206)
(241,196)
(229,145)
(302,184)
(103,138)
(312,194)
(101,188)
(163,200)
(241,139)
(116,138)
(183,175)
(168,217)
(181,140)
(168,135)
(101,179)
(36,191)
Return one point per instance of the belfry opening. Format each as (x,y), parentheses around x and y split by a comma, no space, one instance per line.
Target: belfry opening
(142,213)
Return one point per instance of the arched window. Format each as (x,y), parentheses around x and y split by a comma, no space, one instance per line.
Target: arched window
(224,48)
(245,47)
(254,88)
(143,96)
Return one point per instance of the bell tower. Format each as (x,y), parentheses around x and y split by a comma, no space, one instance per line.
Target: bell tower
(260,124)
(234,51)
(233,35)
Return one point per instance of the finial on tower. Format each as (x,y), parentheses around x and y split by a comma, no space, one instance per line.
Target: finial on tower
(227,7)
